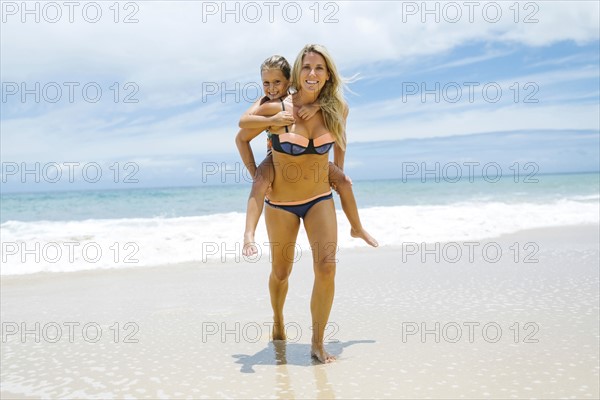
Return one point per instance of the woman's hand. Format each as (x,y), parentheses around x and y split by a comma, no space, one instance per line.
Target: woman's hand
(282,118)
(308,111)
(334,186)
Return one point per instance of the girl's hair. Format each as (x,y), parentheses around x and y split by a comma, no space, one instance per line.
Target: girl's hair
(276,62)
(331,97)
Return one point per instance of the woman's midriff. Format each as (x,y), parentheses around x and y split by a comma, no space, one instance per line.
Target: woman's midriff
(298,178)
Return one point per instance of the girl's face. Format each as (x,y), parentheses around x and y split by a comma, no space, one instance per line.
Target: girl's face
(275,84)
(314,72)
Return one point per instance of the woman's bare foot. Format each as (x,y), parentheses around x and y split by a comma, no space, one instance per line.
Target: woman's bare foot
(279,331)
(249,248)
(318,352)
(364,235)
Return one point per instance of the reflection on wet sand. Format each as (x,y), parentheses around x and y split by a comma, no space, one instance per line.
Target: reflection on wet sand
(280,354)
(324,387)
(283,389)
(293,354)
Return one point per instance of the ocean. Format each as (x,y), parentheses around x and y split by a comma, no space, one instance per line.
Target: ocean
(95,229)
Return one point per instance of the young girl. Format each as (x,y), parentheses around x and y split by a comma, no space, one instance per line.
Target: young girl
(274,109)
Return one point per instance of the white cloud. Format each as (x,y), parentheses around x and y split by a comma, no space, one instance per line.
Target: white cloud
(399,118)
(516,117)
(171,43)
(171,52)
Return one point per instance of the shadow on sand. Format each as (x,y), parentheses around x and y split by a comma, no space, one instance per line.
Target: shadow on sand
(280,352)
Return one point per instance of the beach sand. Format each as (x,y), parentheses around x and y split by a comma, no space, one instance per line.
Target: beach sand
(527,329)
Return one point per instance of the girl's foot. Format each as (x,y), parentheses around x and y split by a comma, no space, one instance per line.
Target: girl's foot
(364,235)
(249,245)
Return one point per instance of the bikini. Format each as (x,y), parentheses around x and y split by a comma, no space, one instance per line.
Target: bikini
(297,145)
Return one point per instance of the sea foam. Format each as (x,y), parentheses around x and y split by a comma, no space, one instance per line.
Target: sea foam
(63,246)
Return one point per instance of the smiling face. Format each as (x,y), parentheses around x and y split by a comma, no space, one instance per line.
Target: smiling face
(275,84)
(314,73)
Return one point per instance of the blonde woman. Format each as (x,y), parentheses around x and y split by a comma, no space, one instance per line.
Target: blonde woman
(300,189)
(270,111)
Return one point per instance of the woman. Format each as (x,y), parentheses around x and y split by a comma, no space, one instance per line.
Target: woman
(275,73)
(301,188)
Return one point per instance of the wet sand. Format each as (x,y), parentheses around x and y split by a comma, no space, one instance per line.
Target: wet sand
(479,324)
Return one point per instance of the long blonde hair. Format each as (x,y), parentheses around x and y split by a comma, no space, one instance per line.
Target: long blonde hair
(331,97)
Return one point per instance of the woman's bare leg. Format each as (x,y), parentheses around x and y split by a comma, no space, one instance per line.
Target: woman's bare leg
(321,227)
(282,227)
(344,188)
(256,200)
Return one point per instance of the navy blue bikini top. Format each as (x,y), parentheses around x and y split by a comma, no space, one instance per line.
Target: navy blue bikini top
(296,145)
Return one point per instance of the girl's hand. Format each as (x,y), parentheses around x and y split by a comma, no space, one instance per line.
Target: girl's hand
(282,118)
(308,111)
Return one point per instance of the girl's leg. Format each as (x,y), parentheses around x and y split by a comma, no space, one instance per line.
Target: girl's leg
(321,227)
(344,188)
(256,200)
(282,227)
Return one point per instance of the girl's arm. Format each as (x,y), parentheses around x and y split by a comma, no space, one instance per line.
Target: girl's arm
(308,111)
(265,115)
(247,119)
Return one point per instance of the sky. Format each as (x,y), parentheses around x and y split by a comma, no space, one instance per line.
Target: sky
(159,86)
